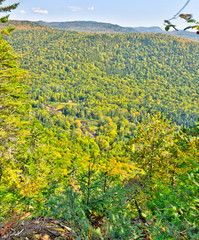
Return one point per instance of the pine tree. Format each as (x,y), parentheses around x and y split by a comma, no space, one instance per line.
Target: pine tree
(11,100)
(10,88)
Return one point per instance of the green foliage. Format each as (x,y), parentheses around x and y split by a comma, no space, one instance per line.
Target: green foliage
(170,182)
(67,205)
(115,223)
(176,209)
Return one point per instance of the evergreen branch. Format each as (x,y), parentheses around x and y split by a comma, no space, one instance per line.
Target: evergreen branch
(9,8)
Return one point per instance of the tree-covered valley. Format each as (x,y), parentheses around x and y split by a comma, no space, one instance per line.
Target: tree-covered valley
(123,75)
(100,131)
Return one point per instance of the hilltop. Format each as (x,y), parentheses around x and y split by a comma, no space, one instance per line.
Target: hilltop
(24,25)
(96,27)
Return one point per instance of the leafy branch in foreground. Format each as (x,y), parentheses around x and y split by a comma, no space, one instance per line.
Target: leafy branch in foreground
(187,17)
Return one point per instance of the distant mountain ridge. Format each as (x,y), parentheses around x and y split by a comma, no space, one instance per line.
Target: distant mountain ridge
(99,27)
(89,26)
(153,29)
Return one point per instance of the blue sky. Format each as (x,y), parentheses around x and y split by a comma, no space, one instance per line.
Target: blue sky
(130,13)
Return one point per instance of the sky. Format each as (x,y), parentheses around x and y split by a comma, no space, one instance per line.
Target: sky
(126,13)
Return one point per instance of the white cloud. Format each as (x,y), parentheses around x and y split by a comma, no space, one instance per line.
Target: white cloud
(91,8)
(39,10)
(22,12)
(73,8)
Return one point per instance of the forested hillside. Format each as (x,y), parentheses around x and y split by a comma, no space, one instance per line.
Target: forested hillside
(126,76)
(88,138)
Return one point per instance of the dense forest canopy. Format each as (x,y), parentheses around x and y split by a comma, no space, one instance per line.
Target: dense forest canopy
(123,75)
